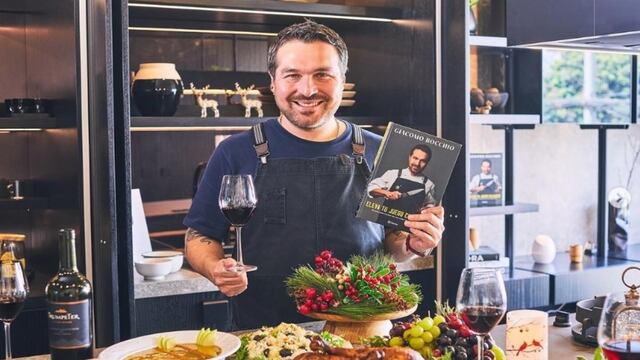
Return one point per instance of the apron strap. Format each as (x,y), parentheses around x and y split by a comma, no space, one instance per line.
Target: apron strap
(357,143)
(260,142)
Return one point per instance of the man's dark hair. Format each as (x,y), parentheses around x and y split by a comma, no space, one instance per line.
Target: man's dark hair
(308,31)
(486,161)
(422,147)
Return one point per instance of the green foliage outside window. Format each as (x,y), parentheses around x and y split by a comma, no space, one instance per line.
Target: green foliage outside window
(582,90)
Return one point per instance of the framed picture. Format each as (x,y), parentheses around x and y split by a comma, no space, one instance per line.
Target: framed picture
(485,184)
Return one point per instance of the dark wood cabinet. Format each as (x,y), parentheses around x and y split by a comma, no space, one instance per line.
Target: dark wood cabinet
(183,312)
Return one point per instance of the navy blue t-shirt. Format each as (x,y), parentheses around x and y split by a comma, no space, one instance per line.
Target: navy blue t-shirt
(236,155)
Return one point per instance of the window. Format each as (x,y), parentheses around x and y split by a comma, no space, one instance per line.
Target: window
(586,87)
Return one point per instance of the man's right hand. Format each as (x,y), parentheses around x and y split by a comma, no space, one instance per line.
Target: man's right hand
(229,282)
(393,195)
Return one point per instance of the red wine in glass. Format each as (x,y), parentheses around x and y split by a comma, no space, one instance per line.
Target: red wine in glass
(238,200)
(238,216)
(482,319)
(10,307)
(622,350)
(482,300)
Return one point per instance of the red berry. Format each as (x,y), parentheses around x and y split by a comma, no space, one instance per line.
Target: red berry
(465,331)
(314,307)
(308,302)
(310,292)
(436,353)
(324,307)
(304,310)
(318,260)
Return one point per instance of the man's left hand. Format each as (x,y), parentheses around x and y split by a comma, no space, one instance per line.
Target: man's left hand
(426,228)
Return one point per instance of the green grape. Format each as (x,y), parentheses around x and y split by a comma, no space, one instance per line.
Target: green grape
(416,343)
(438,319)
(416,331)
(435,331)
(498,353)
(425,351)
(396,341)
(427,336)
(426,323)
(406,334)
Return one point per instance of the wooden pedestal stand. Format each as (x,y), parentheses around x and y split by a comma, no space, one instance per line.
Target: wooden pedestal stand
(353,330)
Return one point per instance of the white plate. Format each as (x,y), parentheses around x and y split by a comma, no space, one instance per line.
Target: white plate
(227,342)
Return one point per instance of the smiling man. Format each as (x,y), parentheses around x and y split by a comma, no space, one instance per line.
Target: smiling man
(310,171)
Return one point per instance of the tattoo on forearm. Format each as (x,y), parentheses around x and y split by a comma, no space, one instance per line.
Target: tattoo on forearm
(193,235)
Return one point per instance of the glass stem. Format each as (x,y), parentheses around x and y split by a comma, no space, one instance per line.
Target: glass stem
(239,246)
(480,346)
(7,340)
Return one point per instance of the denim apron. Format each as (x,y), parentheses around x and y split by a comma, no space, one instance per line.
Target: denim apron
(304,206)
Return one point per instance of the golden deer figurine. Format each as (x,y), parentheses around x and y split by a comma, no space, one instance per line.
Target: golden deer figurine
(249,103)
(205,103)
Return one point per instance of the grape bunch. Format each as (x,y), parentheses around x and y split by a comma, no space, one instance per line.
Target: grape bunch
(444,333)
(420,335)
(457,338)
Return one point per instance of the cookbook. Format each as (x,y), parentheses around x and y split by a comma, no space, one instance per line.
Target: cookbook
(411,172)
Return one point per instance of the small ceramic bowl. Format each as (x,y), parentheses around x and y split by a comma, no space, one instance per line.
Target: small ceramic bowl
(154,269)
(176,257)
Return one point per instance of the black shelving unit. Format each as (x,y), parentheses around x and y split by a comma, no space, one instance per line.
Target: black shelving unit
(29,121)
(509,123)
(24,204)
(516,208)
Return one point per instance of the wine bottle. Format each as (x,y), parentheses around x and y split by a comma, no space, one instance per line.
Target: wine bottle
(69,305)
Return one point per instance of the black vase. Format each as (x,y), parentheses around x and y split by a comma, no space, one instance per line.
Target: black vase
(157,89)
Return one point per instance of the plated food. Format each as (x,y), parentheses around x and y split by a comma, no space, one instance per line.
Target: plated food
(187,345)
(285,341)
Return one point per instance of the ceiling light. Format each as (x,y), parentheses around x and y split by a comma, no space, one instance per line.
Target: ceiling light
(262,12)
(202,31)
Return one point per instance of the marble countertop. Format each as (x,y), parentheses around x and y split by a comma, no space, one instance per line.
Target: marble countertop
(182,282)
(188,281)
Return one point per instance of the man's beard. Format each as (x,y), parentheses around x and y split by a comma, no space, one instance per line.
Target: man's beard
(293,116)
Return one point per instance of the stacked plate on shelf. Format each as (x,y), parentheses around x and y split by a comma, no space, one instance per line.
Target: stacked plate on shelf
(348,94)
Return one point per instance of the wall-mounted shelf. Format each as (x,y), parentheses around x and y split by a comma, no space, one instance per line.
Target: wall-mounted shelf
(503,210)
(23,204)
(489,41)
(174,123)
(28,121)
(504,119)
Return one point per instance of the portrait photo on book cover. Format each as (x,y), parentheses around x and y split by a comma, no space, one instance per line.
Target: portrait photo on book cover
(485,185)
(409,181)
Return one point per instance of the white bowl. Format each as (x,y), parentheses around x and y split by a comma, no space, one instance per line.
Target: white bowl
(154,269)
(176,257)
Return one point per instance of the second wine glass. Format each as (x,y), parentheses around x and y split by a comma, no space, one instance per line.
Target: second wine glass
(237,201)
(14,290)
(482,301)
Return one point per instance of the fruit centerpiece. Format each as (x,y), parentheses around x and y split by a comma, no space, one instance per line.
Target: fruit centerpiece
(444,336)
(357,298)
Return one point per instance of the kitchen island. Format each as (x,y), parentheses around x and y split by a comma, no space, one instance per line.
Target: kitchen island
(561,343)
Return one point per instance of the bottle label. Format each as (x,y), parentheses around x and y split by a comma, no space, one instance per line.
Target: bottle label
(69,324)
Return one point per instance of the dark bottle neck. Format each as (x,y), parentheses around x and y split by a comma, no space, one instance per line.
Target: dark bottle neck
(67,250)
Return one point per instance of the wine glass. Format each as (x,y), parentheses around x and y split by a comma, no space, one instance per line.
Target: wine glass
(14,290)
(482,301)
(237,201)
(619,328)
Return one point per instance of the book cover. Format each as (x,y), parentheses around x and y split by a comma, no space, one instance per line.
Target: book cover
(485,185)
(412,170)
(484,253)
